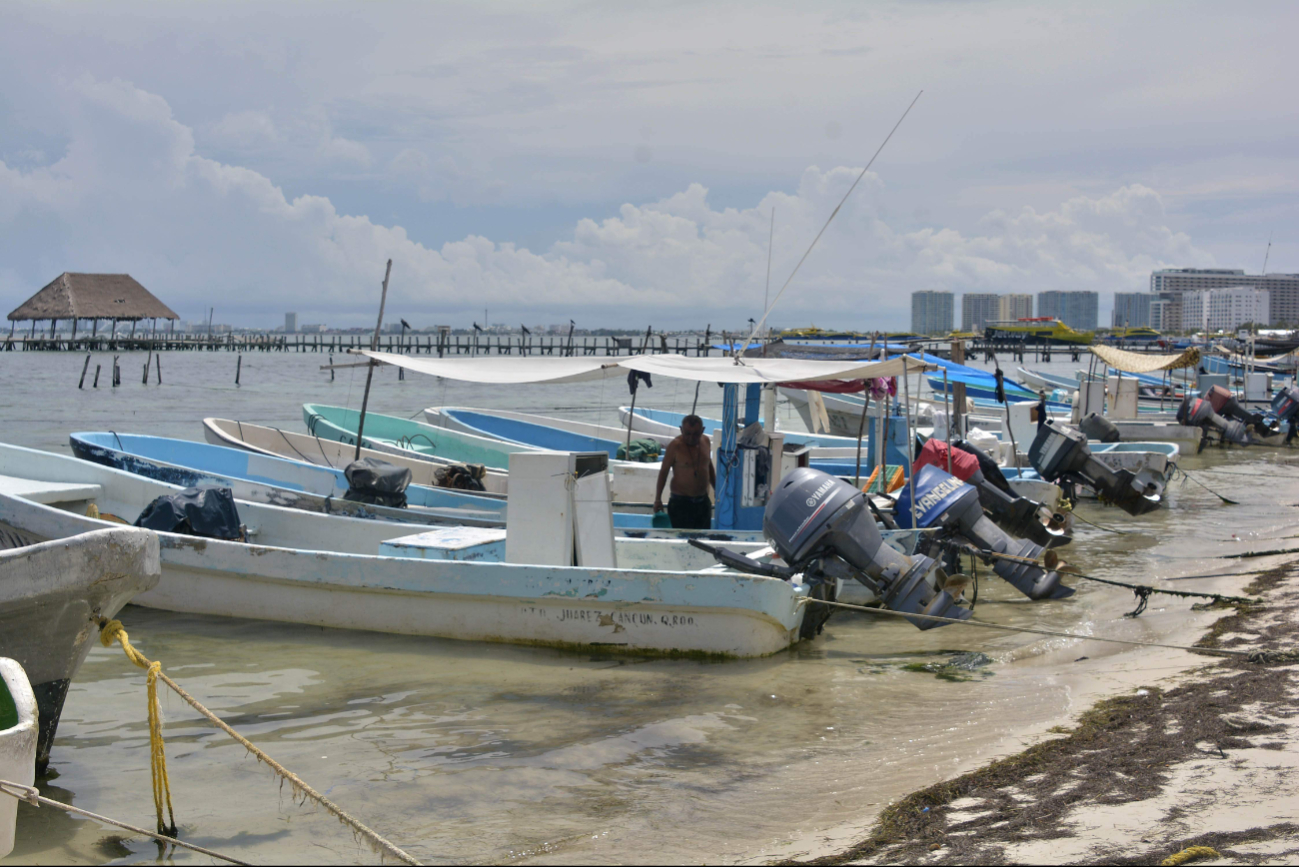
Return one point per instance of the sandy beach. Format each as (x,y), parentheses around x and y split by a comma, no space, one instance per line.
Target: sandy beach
(1202,758)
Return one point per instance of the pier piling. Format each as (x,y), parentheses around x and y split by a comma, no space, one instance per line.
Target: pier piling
(81,382)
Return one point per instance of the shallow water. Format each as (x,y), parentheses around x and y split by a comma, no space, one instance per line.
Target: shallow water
(470,752)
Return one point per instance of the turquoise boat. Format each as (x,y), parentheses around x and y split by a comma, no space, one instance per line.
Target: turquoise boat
(632,482)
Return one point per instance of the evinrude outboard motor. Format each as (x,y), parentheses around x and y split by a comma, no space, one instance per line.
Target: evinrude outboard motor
(942,500)
(1062,453)
(1017,515)
(1098,427)
(1198,412)
(820,526)
(1226,406)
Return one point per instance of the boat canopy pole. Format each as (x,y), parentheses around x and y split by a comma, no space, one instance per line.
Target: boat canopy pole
(369,373)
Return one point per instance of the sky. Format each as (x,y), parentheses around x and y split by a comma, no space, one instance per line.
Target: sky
(620,164)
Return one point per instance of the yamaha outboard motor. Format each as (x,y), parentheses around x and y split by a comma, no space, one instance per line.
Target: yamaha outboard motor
(1017,515)
(942,500)
(1198,412)
(1098,427)
(820,526)
(1226,406)
(1062,453)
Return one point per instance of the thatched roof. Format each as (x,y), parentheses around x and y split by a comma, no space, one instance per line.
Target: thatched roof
(93,296)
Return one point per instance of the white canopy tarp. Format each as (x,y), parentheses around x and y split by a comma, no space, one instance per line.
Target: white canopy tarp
(550,369)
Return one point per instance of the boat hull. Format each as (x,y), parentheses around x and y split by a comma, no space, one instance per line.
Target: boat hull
(51,596)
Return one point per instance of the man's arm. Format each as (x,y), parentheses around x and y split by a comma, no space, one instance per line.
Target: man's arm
(664,468)
(712,470)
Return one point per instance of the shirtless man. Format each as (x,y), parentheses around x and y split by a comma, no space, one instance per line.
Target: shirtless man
(689,458)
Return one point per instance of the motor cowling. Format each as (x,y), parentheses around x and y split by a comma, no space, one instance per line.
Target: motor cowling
(1225,405)
(1017,515)
(1285,410)
(1062,453)
(942,500)
(1098,427)
(821,526)
(1199,412)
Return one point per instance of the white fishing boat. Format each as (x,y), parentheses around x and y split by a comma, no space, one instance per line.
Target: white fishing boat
(18,735)
(53,592)
(667,424)
(331,453)
(445,417)
(358,574)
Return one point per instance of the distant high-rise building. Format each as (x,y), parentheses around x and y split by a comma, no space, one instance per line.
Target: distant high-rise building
(1137,310)
(1078,310)
(1283,289)
(1014,306)
(978,309)
(1223,309)
(290,323)
(932,312)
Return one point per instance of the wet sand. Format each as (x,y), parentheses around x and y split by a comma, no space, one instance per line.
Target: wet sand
(1207,758)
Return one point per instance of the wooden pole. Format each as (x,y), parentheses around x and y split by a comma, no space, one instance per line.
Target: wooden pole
(157,367)
(239,364)
(82,381)
(96,385)
(958,388)
(369,371)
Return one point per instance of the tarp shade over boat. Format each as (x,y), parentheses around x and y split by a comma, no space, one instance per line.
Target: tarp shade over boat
(1145,362)
(548,369)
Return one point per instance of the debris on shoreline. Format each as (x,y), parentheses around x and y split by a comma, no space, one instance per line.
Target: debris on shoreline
(1207,761)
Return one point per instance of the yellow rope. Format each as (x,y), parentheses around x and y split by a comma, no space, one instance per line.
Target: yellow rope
(157,757)
(1187,854)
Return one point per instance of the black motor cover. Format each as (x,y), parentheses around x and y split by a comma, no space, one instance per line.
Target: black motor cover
(208,512)
(1098,427)
(1059,452)
(378,482)
(1199,412)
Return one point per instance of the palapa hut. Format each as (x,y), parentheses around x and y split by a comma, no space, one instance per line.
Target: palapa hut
(118,297)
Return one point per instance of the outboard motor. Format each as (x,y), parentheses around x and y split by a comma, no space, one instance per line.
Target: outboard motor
(1062,453)
(1017,515)
(1226,406)
(1098,427)
(820,526)
(1198,412)
(942,500)
(1285,410)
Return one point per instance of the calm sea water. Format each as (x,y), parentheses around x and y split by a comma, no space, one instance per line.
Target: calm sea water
(464,752)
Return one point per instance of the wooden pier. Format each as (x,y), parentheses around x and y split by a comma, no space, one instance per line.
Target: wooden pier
(441,345)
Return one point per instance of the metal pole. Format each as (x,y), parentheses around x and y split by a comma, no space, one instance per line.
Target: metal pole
(911,476)
(369,371)
(861,430)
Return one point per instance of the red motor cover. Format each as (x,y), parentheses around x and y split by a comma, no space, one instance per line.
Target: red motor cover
(934,453)
(1217,397)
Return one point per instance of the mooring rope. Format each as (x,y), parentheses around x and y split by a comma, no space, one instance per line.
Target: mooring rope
(32,795)
(1179,858)
(157,756)
(110,629)
(1251,655)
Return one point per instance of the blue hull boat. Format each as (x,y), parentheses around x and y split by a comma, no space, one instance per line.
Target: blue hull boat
(281,482)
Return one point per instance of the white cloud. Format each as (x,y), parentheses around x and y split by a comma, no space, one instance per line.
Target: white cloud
(245,129)
(132,193)
(338,149)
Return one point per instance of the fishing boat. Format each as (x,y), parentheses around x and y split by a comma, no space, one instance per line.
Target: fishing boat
(1042,330)
(53,592)
(331,453)
(18,734)
(632,482)
(277,481)
(343,572)
(433,415)
(666,424)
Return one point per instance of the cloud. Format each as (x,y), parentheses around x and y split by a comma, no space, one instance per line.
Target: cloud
(132,193)
(245,129)
(337,149)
